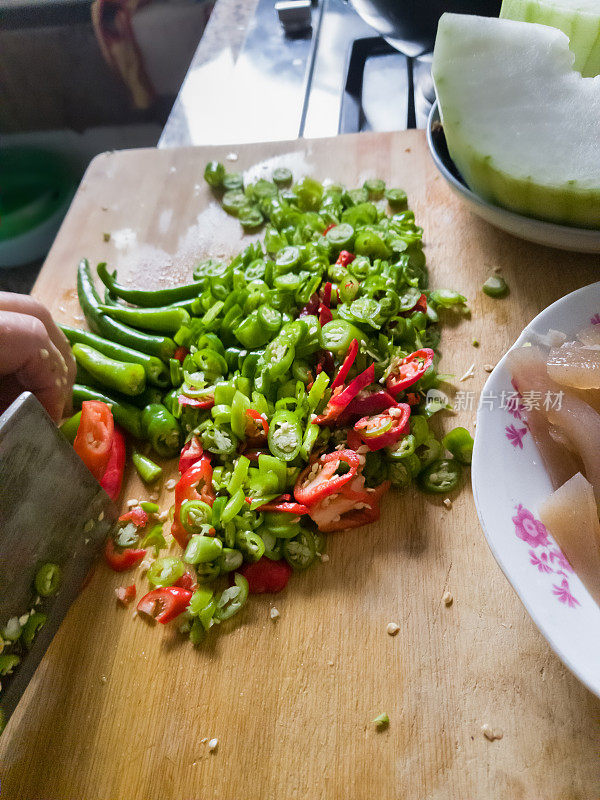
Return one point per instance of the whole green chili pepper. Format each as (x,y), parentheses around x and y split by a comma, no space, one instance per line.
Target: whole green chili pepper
(156,372)
(148,298)
(161,429)
(125,414)
(69,427)
(129,379)
(146,468)
(153,345)
(159,320)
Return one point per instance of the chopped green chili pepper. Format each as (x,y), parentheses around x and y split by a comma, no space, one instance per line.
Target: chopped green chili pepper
(47,579)
(31,627)
(233,598)
(396,198)
(375,188)
(146,468)
(441,476)
(8,661)
(285,435)
(149,508)
(250,545)
(300,551)
(214,173)
(165,571)
(282,176)
(495,286)
(154,538)
(202,549)
(459,443)
(381,722)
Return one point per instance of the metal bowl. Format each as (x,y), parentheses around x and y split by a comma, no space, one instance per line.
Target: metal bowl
(563,237)
(411,25)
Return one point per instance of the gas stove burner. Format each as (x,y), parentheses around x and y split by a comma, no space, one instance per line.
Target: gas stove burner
(385,90)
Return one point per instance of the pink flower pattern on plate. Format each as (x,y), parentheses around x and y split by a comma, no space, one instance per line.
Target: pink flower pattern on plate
(515,435)
(564,594)
(549,560)
(530,529)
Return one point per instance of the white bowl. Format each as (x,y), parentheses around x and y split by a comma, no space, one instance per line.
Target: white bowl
(564,237)
(510,482)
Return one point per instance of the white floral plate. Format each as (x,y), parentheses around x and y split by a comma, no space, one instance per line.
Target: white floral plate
(510,482)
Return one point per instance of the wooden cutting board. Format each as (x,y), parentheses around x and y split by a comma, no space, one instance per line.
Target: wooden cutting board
(121,711)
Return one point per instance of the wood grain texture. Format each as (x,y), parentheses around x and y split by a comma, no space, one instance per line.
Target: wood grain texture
(118,711)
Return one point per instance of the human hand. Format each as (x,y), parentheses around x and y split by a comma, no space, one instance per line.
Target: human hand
(34,355)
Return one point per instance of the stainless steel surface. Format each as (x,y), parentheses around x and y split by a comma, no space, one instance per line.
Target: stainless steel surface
(51,509)
(312,85)
(294,15)
(260,97)
(340,26)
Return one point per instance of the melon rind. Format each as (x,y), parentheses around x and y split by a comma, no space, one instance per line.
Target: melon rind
(579,19)
(522,126)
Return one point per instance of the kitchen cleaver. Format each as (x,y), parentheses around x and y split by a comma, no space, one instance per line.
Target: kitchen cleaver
(51,509)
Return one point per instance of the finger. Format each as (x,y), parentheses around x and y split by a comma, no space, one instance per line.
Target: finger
(25,304)
(28,354)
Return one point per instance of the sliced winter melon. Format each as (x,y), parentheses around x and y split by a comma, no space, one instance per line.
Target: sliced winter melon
(521,125)
(571,516)
(579,19)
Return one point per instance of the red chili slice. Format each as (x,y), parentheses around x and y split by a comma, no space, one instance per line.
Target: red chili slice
(283,503)
(367,512)
(420,305)
(325,314)
(345,258)
(408,370)
(137,515)
(113,474)
(384,430)
(187,581)
(345,368)
(255,423)
(312,307)
(192,451)
(125,594)
(266,576)
(123,560)
(194,402)
(326,294)
(342,397)
(93,441)
(194,484)
(165,603)
(180,353)
(320,479)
